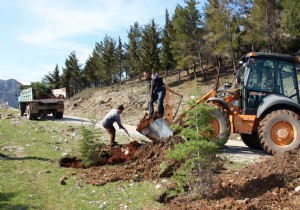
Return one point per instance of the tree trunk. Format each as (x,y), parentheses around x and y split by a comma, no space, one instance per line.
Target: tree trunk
(166,72)
(194,70)
(218,72)
(186,68)
(233,62)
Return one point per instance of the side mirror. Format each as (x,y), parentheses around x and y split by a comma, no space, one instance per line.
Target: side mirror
(227,85)
(237,78)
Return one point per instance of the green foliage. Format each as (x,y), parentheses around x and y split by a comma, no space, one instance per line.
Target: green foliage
(72,75)
(30,155)
(166,56)
(224,31)
(186,34)
(53,79)
(39,89)
(198,160)
(198,155)
(197,122)
(149,47)
(90,147)
(134,50)
(291,18)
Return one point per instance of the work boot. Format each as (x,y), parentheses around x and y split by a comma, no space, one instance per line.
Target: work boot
(114,145)
(149,117)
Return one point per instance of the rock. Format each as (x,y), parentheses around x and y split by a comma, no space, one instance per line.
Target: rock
(297,189)
(276,190)
(45,172)
(65,154)
(245,201)
(62,181)
(225,184)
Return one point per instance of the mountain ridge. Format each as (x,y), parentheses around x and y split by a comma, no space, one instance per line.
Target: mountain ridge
(9,91)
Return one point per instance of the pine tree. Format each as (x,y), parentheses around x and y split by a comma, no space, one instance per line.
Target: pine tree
(53,79)
(186,43)
(291,18)
(149,47)
(134,51)
(72,75)
(108,60)
(166,56)
(90,70)
(197,154)
(290,24)
(119,60)
(263,28)
(222,30)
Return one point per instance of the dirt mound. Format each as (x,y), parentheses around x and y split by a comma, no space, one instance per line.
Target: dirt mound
(133,161)
(266,185)
(269,184)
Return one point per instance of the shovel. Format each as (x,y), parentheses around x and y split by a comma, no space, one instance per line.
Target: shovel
(131,139)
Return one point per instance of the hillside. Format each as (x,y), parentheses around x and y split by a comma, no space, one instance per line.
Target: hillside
(9,91)
(95,103)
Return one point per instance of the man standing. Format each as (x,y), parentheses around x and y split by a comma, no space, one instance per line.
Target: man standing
(108,121)
(157,93)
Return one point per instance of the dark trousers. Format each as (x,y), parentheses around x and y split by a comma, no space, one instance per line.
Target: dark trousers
(158,95)
(111,132)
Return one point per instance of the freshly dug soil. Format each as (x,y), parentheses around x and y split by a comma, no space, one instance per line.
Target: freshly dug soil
(269,184)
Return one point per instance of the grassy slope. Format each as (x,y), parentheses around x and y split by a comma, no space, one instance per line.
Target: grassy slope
(30,172)
(95,103)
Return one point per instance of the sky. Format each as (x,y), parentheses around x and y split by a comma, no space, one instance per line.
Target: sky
(37,35)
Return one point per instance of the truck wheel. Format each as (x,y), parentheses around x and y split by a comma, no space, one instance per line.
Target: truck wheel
(251,140)
(31,116)
(21,109)
(279,131)
(58,115)
(221,126)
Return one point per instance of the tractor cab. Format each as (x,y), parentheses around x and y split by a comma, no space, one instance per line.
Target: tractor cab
(262,74)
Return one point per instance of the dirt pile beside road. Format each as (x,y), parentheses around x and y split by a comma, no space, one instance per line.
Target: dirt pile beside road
(129,162)
(269,184)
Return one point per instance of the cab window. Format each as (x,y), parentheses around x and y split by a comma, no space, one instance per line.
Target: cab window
(287,80)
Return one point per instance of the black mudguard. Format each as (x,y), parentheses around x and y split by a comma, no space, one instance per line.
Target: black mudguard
(220,101)
(275,102)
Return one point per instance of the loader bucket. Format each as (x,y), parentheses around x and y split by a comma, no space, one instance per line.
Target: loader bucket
(157,130)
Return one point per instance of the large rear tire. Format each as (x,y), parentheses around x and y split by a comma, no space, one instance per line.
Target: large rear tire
(221,126)
(251,140)
(279,131)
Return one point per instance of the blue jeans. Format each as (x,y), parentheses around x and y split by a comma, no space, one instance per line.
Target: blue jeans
(158,95)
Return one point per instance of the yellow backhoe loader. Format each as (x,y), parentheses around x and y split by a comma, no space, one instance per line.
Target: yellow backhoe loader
(263,104)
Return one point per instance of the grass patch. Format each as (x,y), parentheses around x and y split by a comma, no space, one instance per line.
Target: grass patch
(235,165)
(30,173)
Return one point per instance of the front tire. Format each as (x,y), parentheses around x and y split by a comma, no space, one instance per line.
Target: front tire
(221,126)
(279,131)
